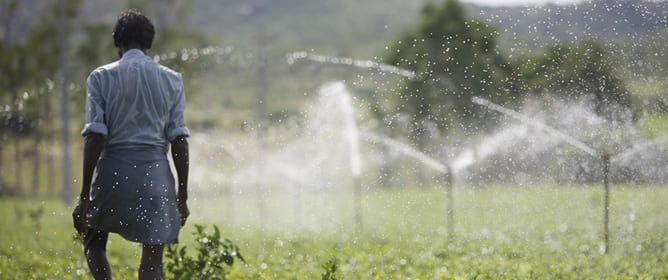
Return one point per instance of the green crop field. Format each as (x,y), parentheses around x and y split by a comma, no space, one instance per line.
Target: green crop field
(500,233)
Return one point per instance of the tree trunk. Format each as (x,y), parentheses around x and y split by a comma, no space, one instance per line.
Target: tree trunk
(18,166)
(18,156)
(36,163)
(48,143)
(51,166)
(3,187)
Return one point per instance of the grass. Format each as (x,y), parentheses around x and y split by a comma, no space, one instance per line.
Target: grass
(656,125)
(500,233)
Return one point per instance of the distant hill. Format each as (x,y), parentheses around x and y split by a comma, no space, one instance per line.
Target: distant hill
(605,20)
(364,28)
(347,27)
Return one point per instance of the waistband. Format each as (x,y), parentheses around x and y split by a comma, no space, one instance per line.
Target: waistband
(135,153)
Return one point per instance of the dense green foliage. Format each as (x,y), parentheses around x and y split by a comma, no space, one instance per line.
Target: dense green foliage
(213,254)
(501,233)
(574,72)
(455,58)
(27,92)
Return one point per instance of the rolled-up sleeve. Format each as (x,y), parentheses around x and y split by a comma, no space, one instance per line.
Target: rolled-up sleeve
(94,108)
(177,123)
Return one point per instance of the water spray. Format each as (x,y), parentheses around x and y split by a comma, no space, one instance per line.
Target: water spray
(445,170)
(637,148)
(536,124)
(407,150)
(220,54)
(604,156)
(366,64)
(352,137)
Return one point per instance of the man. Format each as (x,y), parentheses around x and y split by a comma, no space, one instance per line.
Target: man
(134,112)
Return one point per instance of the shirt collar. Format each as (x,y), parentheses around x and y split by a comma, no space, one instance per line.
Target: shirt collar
(132,53)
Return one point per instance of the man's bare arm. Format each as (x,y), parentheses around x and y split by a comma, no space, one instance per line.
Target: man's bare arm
(181,163)
(94,143)
(93,146)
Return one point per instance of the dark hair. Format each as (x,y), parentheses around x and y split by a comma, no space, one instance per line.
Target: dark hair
(133,29)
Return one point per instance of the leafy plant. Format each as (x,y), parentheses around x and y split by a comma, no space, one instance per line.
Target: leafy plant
(330,270)
(78,238)
(213,253)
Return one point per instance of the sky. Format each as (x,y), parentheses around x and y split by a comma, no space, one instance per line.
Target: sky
(519,2)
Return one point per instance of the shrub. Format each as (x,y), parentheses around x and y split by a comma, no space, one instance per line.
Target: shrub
(213,253)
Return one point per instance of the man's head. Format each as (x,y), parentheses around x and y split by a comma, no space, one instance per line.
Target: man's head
(133,30)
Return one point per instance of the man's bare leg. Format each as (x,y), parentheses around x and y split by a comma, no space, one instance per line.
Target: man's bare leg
(151,262)
(95,248)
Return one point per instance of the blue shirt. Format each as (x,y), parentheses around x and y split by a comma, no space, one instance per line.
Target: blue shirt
(135,102)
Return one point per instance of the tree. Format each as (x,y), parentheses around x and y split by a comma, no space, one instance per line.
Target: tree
(14,77)
(581,71)
(26,88)
(455,58)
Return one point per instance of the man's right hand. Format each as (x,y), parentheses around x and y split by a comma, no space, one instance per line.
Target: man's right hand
(79,216)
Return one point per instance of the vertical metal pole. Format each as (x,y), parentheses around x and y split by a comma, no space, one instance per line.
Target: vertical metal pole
(64,69)
(606,202)
(357,192)
(451,202)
